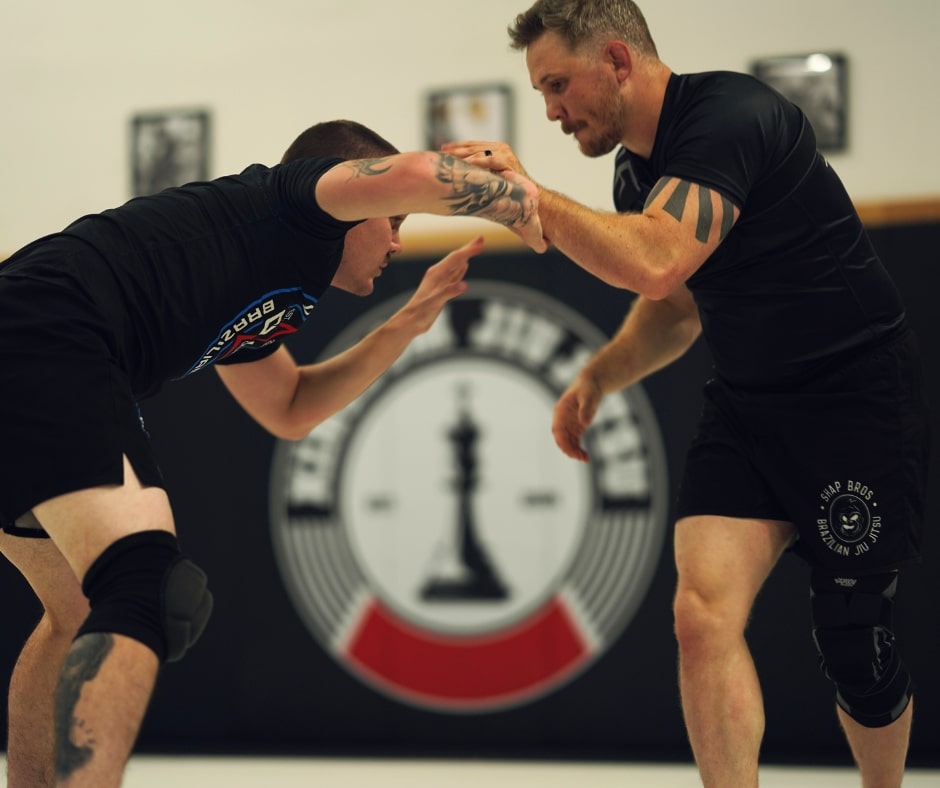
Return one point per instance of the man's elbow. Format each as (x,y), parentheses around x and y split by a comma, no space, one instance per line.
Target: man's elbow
(657,284)
(290,428)
(292,435)
(294,431)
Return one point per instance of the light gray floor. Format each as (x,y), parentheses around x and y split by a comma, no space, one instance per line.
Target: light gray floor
(146,771)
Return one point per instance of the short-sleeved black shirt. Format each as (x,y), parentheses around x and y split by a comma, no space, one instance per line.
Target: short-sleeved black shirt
(796,282)
(210,272)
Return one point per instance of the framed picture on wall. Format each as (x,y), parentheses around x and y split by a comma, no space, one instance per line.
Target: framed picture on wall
(469,112)
(168,149)
(818,84)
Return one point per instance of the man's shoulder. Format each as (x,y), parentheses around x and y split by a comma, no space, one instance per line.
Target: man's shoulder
(308,165)
(716,84)
(730,103)
(297,169)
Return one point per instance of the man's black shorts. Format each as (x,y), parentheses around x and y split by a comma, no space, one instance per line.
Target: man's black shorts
(843,457)
(67,412)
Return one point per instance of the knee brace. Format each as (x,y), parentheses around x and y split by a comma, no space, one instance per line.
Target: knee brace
(852,620)
(143,587)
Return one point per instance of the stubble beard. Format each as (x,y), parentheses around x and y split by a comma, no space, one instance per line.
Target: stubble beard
(609,120)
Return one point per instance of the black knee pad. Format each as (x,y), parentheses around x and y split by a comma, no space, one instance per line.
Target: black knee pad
(852,627)
(143,587)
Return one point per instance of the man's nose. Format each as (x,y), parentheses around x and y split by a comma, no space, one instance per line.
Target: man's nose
(554,109)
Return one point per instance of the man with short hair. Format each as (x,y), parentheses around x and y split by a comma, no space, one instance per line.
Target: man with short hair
(99,316)
(814,431)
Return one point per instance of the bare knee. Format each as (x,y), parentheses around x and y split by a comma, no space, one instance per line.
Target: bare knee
(52,581)
(65,618)
(703,626)
(722,563)
(60,622)
(64,604)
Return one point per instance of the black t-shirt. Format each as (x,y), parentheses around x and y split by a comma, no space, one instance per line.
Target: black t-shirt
(796,283)
(210,272)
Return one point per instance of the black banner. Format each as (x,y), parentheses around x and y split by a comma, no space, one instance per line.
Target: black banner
(427,575)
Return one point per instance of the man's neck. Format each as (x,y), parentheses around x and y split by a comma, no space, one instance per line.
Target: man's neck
(646,106)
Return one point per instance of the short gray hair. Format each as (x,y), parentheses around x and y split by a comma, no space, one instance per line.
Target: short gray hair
(583,21)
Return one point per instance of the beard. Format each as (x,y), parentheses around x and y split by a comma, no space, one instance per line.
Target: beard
(609,122)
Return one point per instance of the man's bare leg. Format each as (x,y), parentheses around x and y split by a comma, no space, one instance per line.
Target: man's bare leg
(30,740)
(107,679)
(879,752)
(724,713)
(100,703)
(722,564)
(30,735)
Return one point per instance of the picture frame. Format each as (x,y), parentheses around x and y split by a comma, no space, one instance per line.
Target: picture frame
(169,148)
(469,112)
(817,83)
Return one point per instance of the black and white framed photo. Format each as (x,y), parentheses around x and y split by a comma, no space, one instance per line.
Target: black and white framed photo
(169,149)
(469,112)
(818,84)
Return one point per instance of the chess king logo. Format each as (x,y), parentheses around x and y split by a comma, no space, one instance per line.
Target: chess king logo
(434,539)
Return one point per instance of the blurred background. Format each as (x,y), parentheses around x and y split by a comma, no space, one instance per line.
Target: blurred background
(349,618)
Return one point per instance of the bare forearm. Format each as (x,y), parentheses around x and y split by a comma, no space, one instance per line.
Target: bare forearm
(290,400)
(327,387)
(616,248)
(426,182)
(653,335)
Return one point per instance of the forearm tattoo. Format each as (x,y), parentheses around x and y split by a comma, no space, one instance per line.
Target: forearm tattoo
(75,739)
(678,202)
(477,191)
(474,191)
(366,167)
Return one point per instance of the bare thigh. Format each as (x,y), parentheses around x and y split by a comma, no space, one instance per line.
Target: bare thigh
(724,561)
(84,523)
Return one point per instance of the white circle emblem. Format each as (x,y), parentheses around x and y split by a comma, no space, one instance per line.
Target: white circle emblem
(434,539)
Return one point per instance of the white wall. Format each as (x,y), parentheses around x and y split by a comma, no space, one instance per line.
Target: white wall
(73,72)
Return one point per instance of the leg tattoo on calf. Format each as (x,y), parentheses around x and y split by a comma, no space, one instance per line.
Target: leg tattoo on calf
(81,666)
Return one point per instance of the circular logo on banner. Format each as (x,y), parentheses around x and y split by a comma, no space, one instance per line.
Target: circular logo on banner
(435,540)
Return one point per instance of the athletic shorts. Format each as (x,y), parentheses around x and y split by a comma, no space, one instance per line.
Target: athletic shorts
(67,411)
(844,458)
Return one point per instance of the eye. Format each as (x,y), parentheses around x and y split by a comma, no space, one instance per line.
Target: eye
(556,86)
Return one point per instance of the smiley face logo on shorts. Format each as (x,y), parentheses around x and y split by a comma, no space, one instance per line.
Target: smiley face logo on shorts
(851,525)
(850,518)
(434,539)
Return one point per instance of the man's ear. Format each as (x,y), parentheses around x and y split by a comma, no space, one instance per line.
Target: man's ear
(620,57)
